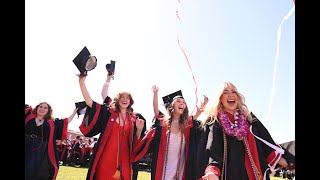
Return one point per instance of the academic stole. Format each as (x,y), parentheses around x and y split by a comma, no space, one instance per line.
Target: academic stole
(118,172)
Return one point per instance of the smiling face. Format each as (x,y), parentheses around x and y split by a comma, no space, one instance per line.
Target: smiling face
(124,101)
(229,99)
(42,109)
(179,105)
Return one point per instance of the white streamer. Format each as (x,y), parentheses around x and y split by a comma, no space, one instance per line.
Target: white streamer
(276,64)
(278,150)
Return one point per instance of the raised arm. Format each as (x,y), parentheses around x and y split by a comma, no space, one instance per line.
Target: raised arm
(155,90)
(201,108)
(140,124)
(104,91)
(84,91)
(72,115)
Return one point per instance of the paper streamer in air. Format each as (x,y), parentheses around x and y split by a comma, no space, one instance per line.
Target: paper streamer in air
(276,63)
(185,55)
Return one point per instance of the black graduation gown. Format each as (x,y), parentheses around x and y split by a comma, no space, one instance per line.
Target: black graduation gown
(202,157)
(236,151)
(43,147)
(154,142)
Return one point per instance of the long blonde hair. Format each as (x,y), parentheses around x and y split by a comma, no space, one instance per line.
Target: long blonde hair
(217,105)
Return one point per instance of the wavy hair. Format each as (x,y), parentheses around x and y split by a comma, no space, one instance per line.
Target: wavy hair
(49,114)
(115,103)
(217,105)
(169,117)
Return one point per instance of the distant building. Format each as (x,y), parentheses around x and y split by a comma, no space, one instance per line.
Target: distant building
(283,173)
(72,134)
(290,146)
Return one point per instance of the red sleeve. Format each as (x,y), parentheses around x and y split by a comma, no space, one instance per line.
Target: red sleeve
(271,159)
(143,145)
(27,109)
(65,129)
(86,129)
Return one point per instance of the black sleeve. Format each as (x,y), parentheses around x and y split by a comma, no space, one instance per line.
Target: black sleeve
(95,119)
(290,158)
(215,145)
(107,100)
(259,130)
(59,128)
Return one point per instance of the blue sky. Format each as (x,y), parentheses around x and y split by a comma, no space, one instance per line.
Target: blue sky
(224,41)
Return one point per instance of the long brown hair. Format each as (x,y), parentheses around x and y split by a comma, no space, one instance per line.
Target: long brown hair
(169,117)
(49,114)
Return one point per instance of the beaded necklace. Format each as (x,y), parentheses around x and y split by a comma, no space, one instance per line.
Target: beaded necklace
(238,129)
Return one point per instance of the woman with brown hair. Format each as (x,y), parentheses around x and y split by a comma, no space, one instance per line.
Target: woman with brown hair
(119,128)
(41,133)
(171,141)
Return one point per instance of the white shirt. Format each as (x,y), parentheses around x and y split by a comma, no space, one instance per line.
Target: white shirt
(173,156)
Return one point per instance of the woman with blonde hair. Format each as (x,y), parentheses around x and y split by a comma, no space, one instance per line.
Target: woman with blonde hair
(238,145)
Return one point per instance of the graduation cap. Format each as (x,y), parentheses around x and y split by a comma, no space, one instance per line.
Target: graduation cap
(110,67)
(167,100)
(85,62)
(82,106)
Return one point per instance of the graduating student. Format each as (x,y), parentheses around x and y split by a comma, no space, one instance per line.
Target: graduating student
(201,159)
(64,150)
(171,141)
(104,92)
(239,146)
(41,133)
(158,114)
(119,127)
(75,152)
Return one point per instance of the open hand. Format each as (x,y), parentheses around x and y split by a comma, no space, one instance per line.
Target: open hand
(139,123)
(155,88)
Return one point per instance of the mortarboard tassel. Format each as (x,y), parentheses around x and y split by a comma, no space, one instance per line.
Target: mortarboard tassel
(116,175)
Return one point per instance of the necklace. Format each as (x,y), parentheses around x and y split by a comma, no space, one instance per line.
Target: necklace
(39,122)
(256,172)
(238,129)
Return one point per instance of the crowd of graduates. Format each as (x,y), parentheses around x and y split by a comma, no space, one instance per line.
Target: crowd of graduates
(79,151)
(285,173)
(76,152)
(229,142)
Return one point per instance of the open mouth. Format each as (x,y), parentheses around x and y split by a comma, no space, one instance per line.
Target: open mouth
(231,102)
